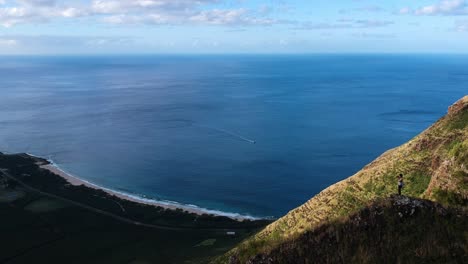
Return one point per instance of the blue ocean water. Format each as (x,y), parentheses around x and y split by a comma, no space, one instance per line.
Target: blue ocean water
(254,135)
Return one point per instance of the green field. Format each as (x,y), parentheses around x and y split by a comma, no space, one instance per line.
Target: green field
(45,205)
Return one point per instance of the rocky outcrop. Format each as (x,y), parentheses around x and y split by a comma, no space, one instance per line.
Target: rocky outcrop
(459,106)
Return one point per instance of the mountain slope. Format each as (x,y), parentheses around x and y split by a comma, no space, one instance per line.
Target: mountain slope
(383,232)
(435,165)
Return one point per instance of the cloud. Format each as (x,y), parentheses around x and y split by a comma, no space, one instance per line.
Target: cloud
(71,12)
(365,9)
(374,36)
(238,17)
(155,19)
(53,41)
(36,3)
(461,26)
(153,12)
(8,42)
(35,11)
(10,16)
(129,6)
(373,23)
(405,11)
(444,7)
(346,24)
(109,41)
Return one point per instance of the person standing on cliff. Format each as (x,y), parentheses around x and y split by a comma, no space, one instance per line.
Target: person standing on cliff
(400,183)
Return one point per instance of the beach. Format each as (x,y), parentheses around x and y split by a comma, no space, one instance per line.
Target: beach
(167,205)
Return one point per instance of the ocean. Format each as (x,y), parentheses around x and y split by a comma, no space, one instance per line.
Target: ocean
(249,134)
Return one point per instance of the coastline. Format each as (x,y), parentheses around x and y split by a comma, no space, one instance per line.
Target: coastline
(75,181)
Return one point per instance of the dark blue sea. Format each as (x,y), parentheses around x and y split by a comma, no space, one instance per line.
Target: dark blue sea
(255,135)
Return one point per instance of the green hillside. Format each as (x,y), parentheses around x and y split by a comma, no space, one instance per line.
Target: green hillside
(435,165)
(383,232)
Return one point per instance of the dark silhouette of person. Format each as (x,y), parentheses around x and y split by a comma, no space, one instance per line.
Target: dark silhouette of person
(400,183)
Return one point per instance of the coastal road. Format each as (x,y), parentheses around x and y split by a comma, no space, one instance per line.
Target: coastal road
(6,174)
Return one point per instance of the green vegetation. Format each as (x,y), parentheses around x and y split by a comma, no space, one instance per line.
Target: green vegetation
(416,184)
(448,197)
(45,205)
(392,230)
(459,122)
(207,243)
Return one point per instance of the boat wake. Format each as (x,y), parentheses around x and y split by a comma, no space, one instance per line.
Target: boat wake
(182,123)
(229,133)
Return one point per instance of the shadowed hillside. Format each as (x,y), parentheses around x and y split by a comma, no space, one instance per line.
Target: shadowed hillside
(435,165)
(384,232)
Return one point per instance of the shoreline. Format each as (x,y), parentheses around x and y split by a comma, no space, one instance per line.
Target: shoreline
(75,181)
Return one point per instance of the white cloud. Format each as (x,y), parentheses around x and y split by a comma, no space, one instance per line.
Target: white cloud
(444,7)
(172,12)
(10,16)
(49,41)
(129,6)
(346,24)
(175,12)
(108,41)
(229,17)
(37,3)
(373,23)
(365,9)
(155,19)
(8,42)
(405,11)
(373,36)
(72,12)
(34,11)
(461,26)
(107,6)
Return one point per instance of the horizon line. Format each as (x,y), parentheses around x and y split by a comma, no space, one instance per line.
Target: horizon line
(228,53)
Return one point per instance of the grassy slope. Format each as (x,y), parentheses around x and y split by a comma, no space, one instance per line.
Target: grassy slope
(383,232)
(435,165)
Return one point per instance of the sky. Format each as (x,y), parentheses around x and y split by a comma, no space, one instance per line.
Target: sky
(232,26)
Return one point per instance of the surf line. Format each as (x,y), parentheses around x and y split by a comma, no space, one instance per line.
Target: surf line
(232,134)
